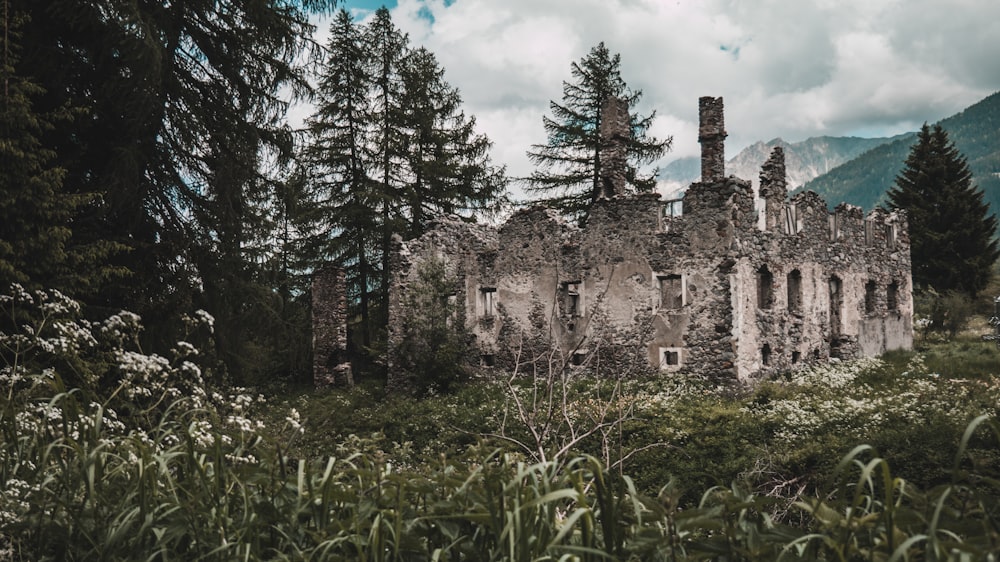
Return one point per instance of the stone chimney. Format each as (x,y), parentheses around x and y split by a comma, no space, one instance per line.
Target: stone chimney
(329,318)
(712,136)
(614,135)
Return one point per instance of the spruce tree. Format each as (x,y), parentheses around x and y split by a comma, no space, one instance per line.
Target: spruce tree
(387,46)
(952,233)
(448,162)
(389,148)
(344,221)
(569,164)
(37,248)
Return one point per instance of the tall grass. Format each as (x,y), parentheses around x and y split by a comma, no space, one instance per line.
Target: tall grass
(138,458)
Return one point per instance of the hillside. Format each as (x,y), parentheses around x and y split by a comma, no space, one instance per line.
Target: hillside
(864,180)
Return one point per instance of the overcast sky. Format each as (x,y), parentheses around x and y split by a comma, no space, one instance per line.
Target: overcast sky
(786,68)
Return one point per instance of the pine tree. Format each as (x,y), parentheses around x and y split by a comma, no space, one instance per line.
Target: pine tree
(37,248)
(569,164)
(952,233)
(183,130)
(448,162)
(345,219)
(389,148)
(387,46)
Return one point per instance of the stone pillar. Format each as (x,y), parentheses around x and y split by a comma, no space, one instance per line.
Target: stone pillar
(773,188)
(329,318)
(615,128)
(712,136)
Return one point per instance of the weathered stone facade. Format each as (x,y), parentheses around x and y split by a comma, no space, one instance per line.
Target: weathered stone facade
(732,288)
(329,317)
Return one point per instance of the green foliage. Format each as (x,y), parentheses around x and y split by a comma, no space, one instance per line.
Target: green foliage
(37,247)
(569,164)
(949,312)
(434,345)
(389,148)
(951,233)
(189,474)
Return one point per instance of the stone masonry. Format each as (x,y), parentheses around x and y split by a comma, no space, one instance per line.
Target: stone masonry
(329,314)
(729,290)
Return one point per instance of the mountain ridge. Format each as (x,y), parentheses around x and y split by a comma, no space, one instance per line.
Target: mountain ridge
(804,160)
(864,180)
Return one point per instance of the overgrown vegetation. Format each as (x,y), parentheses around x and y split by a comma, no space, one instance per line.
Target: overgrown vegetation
(142,459)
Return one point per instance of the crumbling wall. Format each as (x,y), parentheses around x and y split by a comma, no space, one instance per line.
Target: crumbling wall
(719,292)
(331,366)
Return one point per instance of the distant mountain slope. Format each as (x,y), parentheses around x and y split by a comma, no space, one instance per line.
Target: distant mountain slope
(865,180)
(803,160)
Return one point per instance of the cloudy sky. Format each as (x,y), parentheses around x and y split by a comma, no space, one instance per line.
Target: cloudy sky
(786,68)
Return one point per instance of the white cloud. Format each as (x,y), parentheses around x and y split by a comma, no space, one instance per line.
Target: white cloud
(788,68)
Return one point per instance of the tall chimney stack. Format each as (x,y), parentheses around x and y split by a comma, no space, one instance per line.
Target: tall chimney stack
(712,136)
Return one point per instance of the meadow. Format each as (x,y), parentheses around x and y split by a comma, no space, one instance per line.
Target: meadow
(111,453)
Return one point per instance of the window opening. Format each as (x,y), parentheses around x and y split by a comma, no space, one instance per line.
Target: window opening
(671,358)
(487,297)
(870,297)
(836,302)
(571,298)
(792,225)
(836,226)
(794,282)
(671,292)
(892,296)
(890,235)
(796,357)
(765,288)
(765,355)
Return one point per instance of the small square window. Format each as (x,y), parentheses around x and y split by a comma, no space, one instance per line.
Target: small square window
(671,358)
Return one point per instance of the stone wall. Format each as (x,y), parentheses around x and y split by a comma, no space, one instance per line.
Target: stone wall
(718,292)
(329,316)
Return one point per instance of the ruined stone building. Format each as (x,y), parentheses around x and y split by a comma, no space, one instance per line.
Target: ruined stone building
(722,284)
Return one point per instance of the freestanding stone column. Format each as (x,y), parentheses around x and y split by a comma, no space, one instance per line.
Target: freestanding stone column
(614,134)
(773,188)
(329,317)
(712,136)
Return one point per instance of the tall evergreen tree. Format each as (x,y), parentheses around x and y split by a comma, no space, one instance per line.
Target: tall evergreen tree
(37,247)
(180,102)
(952,233)
(341,156)
(389,148)
(387,46)
(569,164)
(447,160)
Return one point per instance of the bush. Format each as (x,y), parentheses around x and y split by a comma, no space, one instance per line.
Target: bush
(432,355)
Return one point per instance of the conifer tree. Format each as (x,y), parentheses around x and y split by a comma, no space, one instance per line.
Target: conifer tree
(387,46)
(37,248)
(448,162)
(345,218)
(389,149)
(952,233)
(569,164)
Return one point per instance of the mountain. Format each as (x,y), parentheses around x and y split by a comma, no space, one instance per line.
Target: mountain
(864,180)
(803,160)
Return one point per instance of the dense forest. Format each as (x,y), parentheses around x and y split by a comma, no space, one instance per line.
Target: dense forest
(148,165)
